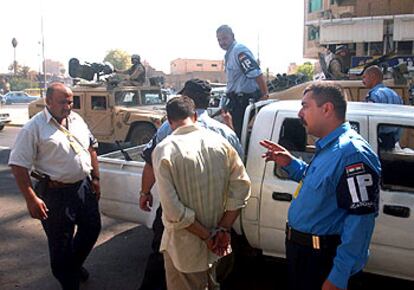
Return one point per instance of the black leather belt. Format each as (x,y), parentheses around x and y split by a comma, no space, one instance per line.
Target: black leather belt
(312,241)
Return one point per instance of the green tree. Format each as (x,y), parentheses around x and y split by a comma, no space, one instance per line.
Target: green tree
(19,84)
(119,58)
(307,69)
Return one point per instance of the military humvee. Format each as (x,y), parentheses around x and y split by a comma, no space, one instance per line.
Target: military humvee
(123,113)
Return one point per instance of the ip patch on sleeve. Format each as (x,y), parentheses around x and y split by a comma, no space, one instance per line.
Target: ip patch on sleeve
(358,189)
(247,63)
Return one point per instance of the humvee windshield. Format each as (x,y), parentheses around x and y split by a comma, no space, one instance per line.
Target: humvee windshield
(133,98)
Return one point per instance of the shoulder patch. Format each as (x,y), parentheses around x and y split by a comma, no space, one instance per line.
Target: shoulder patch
(358,189)
(355,169)
(247,63)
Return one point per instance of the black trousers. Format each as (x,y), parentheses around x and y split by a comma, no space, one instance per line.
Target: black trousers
(309,268)
(154,276)
(237,107)
(69,207)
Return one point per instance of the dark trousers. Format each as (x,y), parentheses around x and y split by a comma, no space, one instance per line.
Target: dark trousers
(309,268)
(237,106)
(70,206)
(154,276)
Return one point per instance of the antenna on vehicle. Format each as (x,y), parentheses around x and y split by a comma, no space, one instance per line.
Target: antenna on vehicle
(258,48)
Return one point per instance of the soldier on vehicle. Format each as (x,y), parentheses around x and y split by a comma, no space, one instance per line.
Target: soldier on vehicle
(136,73)
(339,65)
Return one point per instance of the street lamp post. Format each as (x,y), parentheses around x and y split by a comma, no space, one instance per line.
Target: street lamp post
(14,43)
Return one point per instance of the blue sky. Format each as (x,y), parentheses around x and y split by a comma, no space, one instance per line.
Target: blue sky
(158,30)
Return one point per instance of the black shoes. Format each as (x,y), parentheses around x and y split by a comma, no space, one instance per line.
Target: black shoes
(84,274)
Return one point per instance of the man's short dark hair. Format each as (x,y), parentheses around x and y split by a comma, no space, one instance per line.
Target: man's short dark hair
(199,91)
(324,92)
(225,29)
(180,108)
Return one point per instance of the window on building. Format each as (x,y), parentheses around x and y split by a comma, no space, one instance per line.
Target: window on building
(315,5)
(76,102)
(342,2)
(294,138)
(396,152)
(404,47)
(214,65)
(313,32)
(98,103)
(199,64)
(373,48)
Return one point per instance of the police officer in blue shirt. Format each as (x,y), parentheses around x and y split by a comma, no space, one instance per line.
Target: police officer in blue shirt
(199,91)
(332,215)
(245,80)
(372,79)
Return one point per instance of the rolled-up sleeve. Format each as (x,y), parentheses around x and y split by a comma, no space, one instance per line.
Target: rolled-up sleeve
(239,183)
(175,215)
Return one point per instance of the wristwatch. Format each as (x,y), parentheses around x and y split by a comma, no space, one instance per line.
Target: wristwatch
(141,193)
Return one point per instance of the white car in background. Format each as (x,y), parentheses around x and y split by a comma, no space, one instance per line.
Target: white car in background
(4,119)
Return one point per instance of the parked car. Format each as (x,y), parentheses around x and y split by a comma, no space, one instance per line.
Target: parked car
(4,119)
(17,97)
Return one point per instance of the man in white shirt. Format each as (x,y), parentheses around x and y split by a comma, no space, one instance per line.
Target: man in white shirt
(203,185)
(58,148)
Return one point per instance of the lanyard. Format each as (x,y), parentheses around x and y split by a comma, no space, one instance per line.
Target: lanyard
(74,142)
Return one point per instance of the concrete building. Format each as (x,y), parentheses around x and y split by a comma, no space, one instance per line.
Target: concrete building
(185,69)
(54,67)
(183,65)
(367,27)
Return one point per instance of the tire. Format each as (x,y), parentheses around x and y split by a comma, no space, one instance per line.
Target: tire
(141,133)
(1,126)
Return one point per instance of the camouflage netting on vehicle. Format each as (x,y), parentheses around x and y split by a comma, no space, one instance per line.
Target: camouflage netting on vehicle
(283,82)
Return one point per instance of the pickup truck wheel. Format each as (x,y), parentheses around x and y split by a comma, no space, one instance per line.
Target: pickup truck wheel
(141,134)
(1,127)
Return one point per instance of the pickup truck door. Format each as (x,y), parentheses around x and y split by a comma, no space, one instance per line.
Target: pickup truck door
(98,114)
(277,189)
(120,185)
(393,239)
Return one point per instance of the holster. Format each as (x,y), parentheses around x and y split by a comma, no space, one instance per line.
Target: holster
(42,183)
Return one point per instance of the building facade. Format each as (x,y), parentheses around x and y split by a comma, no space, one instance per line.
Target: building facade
(183,66)
(367,27)
(184,69)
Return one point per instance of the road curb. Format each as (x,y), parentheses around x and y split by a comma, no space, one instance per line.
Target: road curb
(14,125)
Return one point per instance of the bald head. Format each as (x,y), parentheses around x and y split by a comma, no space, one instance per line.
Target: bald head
(59,100)
(53,88)
(372,76)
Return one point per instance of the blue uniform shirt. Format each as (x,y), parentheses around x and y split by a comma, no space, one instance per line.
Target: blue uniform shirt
(339,196)
(204,120)
(241,69)
(382,94)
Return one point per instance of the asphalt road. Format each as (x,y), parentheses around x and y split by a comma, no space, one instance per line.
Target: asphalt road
(119,257)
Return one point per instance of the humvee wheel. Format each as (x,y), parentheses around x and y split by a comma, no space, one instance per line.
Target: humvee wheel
(141,134)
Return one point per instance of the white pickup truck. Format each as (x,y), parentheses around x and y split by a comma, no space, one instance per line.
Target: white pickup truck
(263,220)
